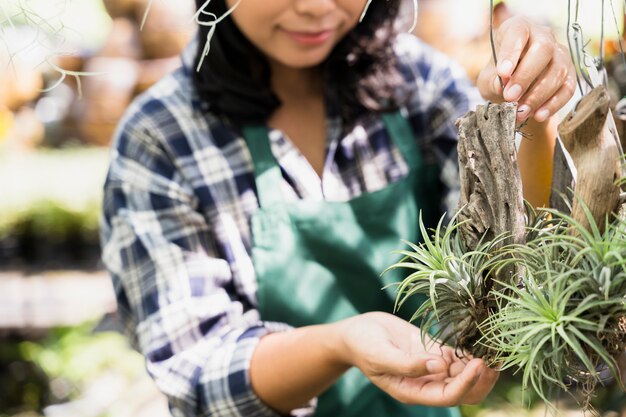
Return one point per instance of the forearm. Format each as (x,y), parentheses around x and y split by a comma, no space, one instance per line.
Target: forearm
(535,158)
(289,369)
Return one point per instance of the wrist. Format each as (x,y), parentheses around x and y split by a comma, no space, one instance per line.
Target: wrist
(336,346)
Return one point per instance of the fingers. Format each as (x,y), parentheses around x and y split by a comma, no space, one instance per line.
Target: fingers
(470,386)
(399,363)
(536,71)
(512,36)
(558,100)
(461,385)
(540,53)
(489,84)
(551,91)
(443,391)
(486,381)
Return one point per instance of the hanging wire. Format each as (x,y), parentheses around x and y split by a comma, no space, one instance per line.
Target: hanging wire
(601,62)
(621,49)
(569,44)
(601,65)
(493,44)
(579,43)
(211,24)
(367,6)
(415,12)
(581,46)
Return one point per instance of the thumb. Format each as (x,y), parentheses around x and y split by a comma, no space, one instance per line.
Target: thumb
(489,84)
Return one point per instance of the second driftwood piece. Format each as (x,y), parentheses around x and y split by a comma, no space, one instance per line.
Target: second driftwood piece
(594,148)
(491,186)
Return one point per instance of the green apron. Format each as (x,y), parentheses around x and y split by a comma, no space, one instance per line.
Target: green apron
(320,262)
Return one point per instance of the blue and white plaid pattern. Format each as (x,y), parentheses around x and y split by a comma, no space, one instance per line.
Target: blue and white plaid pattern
(175,231)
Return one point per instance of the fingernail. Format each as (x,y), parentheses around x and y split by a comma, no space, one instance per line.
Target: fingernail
(542,115)
(434,367)
(505,68)
(523,112)
(497,86)
(513,93)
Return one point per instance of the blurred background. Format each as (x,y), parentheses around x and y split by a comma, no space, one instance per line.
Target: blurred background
(68,70)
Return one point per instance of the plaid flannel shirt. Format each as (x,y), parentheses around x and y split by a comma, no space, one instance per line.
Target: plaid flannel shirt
(178,199)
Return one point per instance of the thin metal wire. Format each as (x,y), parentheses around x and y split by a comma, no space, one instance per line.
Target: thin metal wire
(601,62)
(367,6)
(493,44)
(580,47)
(621,49)
(579,39)
(569,44)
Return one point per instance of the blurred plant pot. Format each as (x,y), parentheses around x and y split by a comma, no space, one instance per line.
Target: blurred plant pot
(71,252)
(51,236)
(105,98)
(164,44)
(152,70)
(120,8)
(122,41)
(168,28)
(25,386)
(9,251)
(27,131)
(19,84)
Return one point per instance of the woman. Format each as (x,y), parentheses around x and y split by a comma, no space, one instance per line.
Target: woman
(251,205)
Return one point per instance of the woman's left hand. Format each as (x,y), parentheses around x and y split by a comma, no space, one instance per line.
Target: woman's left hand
(536,70)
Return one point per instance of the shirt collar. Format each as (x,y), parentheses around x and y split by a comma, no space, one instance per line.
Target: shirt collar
(188,55)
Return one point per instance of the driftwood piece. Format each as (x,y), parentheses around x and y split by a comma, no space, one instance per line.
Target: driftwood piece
(593,146)
(491,186)
(619,118)
(563,180)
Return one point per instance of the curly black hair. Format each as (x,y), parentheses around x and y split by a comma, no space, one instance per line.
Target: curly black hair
(361,71)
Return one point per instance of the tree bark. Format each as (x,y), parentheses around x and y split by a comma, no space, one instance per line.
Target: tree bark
(491,187)
(594,148)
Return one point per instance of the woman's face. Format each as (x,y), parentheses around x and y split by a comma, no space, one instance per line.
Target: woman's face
(296,33)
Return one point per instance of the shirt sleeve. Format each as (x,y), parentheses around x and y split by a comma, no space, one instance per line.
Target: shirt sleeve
(175,296)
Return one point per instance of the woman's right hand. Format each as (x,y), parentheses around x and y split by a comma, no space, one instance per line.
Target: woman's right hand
(390,352)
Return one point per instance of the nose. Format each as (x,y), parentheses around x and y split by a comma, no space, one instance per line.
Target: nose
(315,8)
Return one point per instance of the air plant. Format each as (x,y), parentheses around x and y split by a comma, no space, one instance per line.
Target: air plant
(561,322)
(564,321)
(456,282)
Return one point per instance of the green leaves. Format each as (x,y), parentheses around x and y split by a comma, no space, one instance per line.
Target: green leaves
(454,280)
(557,322)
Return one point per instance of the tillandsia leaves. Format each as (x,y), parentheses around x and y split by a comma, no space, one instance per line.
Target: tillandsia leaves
(456,282)
(561,322)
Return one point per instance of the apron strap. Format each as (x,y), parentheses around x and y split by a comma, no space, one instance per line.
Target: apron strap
(267,173)
(403,137)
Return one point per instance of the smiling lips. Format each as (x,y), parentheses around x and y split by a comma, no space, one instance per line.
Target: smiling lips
(310,38)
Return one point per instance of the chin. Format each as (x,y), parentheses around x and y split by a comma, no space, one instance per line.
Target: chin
(303,61)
